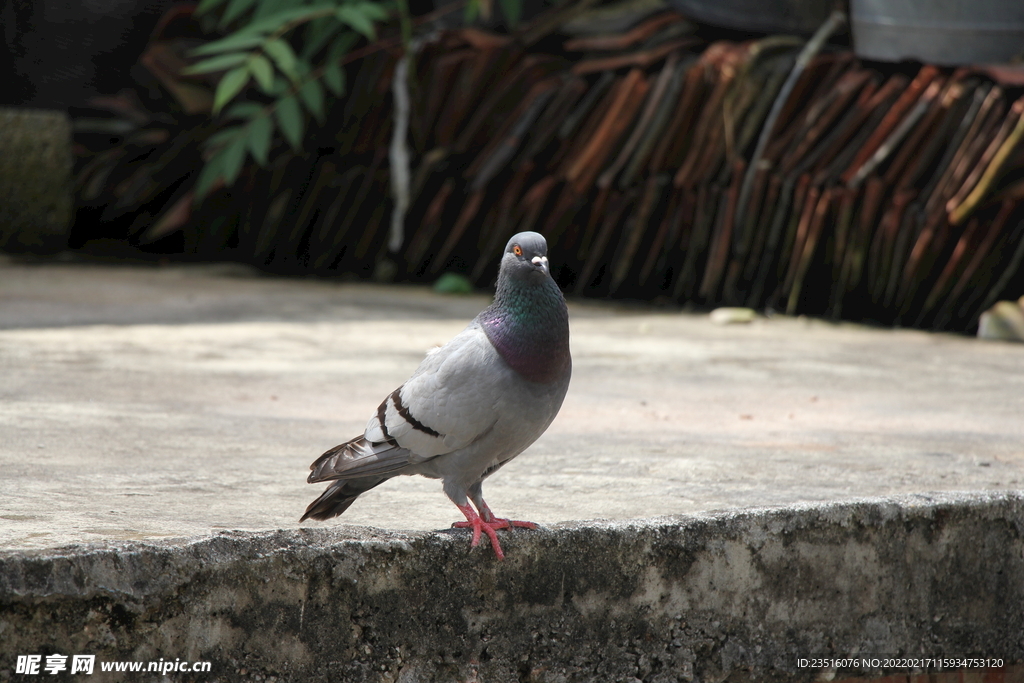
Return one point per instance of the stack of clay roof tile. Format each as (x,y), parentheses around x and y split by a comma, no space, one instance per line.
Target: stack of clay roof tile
(882,193)
(889,196)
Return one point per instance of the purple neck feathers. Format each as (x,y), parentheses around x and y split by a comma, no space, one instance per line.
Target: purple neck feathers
(528,324)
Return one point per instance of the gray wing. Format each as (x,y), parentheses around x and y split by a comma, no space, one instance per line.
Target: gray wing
(447,404)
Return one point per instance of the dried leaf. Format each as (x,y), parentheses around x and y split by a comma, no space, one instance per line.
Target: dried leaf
(172,219)
(209,177)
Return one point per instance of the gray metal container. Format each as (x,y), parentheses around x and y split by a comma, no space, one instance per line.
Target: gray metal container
(948,32)
(802,17)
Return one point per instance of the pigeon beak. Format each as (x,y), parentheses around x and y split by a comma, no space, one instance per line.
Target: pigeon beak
(541,262)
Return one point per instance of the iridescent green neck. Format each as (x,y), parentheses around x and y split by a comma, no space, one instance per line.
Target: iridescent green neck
(528,324)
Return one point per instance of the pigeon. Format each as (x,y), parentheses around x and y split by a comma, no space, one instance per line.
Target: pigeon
(472,405)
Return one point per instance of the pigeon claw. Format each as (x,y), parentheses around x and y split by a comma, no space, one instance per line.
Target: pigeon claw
(488,516)
(502,523)
(520,523)
(489,526)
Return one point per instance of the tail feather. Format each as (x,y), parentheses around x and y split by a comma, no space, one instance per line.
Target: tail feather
(339,496)
(358,458)
(356,466)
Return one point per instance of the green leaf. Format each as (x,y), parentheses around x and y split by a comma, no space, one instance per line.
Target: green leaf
(261,132)
(453,283)
(472,11)
(218,63)
(229,86)
(353,16)
(281,86)
(334,73)
(374,11)
(312,94)
(243,110)
(233,42)
(236,9)
(234,157)
(267,8)
(262,71)
(207,5)
(318,33)
(302,68)
(512,9)
(207,23)
(289,115)
(342,44)
(223,137)
(334,78)
(210,174)
(295,15)
(282,54)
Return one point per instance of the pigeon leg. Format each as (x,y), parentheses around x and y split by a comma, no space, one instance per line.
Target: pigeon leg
(475,493)
(478,525)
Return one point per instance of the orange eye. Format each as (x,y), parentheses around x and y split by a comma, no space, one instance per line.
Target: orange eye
(517,250)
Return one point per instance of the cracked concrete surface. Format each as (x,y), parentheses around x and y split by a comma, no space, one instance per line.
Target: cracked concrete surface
(144,403)
(147,402)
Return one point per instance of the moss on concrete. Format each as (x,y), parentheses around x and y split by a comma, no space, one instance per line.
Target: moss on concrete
(725,596)
(35,180)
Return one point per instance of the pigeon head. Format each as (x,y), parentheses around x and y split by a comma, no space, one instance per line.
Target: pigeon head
(525,258)
(528,322)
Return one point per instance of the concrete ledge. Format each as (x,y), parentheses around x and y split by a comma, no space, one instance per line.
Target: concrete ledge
(738,596)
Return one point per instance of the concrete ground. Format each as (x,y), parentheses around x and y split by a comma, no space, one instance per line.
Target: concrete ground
(146,402)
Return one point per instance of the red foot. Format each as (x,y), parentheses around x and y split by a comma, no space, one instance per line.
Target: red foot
(488,526)
(505,523)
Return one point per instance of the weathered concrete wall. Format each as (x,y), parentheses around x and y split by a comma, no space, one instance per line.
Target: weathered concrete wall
(35,180)
(731,595)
